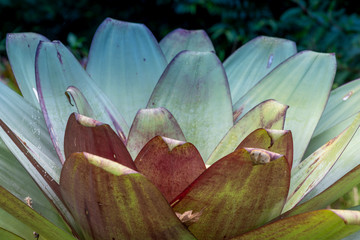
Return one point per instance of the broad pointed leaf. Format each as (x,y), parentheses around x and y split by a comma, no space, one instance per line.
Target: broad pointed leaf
(231,193)
(15,179)
(126,62)
(27,215)
(319,225)
(56,70)
(128,208)
(84,134)
(21,49)
(330,195)
(268,114)
(182,39)
(250,63)
(278,141)
(195,90)
(149,123)
(341,105)
(303,82)
(170,164)
(313,169)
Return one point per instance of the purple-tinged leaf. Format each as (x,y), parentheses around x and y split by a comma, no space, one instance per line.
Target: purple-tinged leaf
(111,201)
(182,39)
(84,134)
(238,193)
(170,164)
(149,123)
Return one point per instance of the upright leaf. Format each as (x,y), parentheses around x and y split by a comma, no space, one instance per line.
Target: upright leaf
(56,70)
(302,82)
(128,208)
(195,90)
(170,164)
(126,62)
(231,194)
(21,49)
(181,39)
(250,63)
(149,123)
(268,114)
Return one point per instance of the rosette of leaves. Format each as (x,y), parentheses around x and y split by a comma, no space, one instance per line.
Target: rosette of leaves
(163,141)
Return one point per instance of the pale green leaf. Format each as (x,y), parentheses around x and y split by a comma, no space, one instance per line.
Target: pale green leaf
(250,63)
(195,90)
(302,82)
(21,49)
(126,62)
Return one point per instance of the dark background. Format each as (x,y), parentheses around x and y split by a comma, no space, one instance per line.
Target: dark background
(323,26)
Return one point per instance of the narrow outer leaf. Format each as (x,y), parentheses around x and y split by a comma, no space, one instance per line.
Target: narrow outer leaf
(310,172)
(278,141)
(331,194)
(84,134)
(24,213)
(319,225)
(149,123)
(268,114)
(302,82)
(171,165)
(231,195)
(21,49)
(128,208)
(181,39)
(250,63)
(126,62)
(195,90)
(56,70)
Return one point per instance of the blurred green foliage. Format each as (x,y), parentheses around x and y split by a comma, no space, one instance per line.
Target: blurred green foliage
(324,26)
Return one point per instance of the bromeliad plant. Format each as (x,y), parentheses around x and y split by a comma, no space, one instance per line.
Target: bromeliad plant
(206,156)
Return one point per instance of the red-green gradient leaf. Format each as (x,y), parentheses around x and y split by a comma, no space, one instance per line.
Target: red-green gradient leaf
(278,141)
(235,195)
(319,225)
(170,164)
(111,201)
(84,134)
(149,123)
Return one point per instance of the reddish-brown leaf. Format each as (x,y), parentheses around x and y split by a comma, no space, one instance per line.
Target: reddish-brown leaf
(170,164)
(84,134)
(236,195)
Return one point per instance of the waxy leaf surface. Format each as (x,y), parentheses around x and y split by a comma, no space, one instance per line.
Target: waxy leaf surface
(319,225)
(268,114)
(149,123)
(250,63)
(195,90)
(27,215)
(126,62)
(236,196)
(84,134)
(111,201)
(21,50)
(302,82)
(181,39)
(56,70)
(170,164)
(313,169)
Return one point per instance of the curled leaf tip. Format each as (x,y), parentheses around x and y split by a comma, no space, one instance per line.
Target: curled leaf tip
(86,121)
(259,156)
(189,217)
